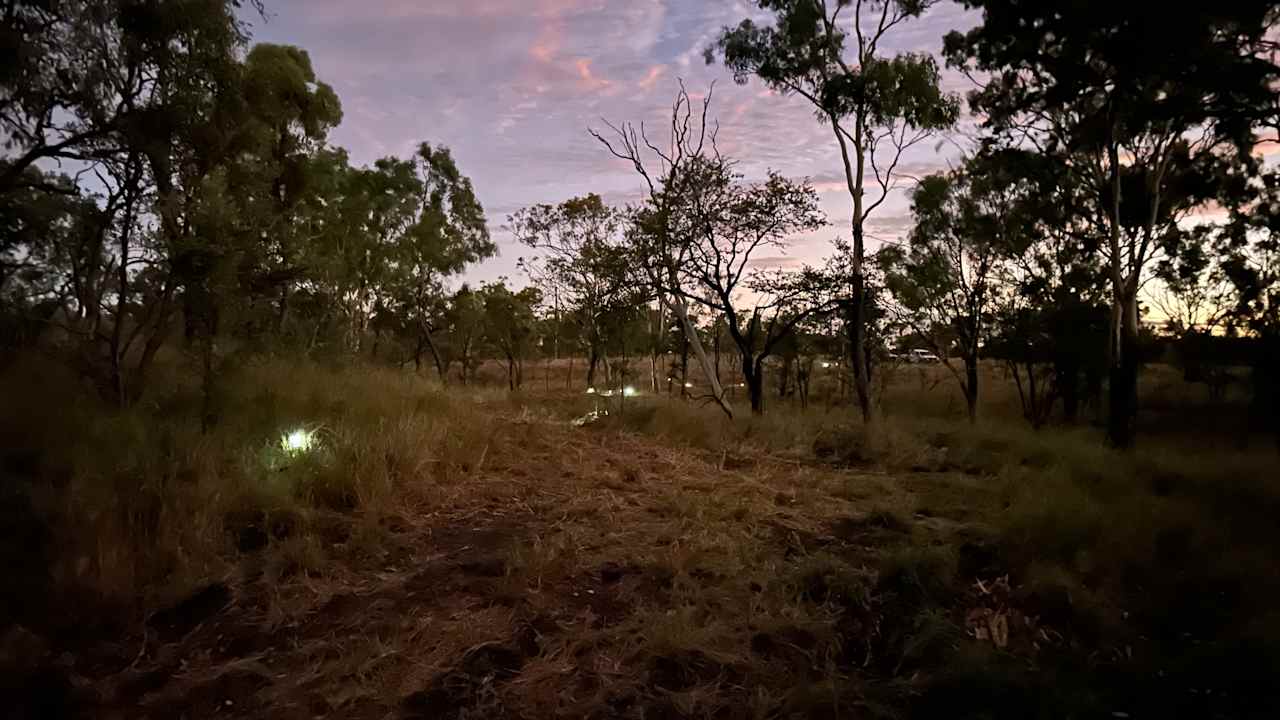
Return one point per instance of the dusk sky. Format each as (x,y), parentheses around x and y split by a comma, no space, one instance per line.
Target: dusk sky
(511,87)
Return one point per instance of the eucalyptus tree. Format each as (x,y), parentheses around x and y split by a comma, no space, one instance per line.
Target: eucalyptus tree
(81,80)
(1050,317)
(290,115)
(145,100)
(662,240)
(509,325)
(1137,101)
(944,278)
(445,232)
(466,322)
(584,264)
(1246,264)
(831,53)
(728,222)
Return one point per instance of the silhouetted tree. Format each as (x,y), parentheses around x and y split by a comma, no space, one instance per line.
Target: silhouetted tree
(1137,100)
(876,107)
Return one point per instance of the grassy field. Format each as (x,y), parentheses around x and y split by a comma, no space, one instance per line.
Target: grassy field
(464,552)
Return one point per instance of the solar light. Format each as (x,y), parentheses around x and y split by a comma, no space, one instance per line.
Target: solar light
(297,441)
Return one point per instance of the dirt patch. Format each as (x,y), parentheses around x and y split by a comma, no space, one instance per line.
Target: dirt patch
(470,689)
(233,692)
(180,619)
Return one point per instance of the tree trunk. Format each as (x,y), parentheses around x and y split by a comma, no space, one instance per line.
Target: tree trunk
(715,344)
(804,368)
(684,368)
(753,374)
(657,348)
(856,316)
(1123,372)
(1034,410)
(971,387)
(1067,380)
(435,356)
(679,309)
(593,358)
(855,327)
(282,313)
(118,373)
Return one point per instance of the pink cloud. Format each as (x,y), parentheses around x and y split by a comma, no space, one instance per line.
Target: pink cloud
(650,78)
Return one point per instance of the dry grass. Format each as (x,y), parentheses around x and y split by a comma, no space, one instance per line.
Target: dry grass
(465,553)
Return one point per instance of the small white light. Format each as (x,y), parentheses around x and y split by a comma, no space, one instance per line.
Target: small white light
(297,441)
(688,385)
(629,391)
(591,391)
(826,365)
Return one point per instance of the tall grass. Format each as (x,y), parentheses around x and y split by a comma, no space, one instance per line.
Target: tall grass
(133,505)
(1168,550)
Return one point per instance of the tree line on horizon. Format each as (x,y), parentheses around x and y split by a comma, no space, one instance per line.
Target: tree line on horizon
(167,182)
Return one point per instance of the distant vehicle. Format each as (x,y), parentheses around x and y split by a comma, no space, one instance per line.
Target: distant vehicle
(914,356)
(922,356)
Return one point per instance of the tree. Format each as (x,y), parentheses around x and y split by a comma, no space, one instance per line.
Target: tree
(445,233)
(663,242)
(1139,102)
(1247,250)
(727,222)
(81,79)
(290,115)
(144,97)
(943,280)
(876,107)
(509,320)
(584,263)
(466,317)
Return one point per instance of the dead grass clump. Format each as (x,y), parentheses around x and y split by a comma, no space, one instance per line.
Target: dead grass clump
(823,578)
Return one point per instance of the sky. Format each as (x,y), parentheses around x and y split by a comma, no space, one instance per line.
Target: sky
(512,87)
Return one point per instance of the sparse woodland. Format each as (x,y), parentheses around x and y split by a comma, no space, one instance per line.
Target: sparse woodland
(266,450)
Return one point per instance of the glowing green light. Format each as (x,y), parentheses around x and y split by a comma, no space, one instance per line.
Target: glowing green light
(297,441)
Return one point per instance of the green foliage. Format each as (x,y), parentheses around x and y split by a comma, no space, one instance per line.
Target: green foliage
(584,266)
(803,53)
(509,325)
(217,199)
